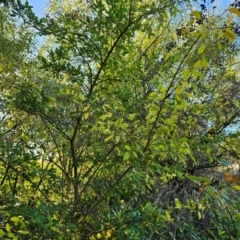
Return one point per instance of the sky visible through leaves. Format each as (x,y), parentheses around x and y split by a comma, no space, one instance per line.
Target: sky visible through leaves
(39,5)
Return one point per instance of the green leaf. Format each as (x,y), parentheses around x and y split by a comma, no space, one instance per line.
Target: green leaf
(199,179)
(127,147)
(131,116)
(206,180)
(178,203)
(12,236)
(225,162)
(183,140)
(212,190)
(2,233)
(237,216)
(195,179)
(126,155)
(148,206)
(55,229)
(212,234)
(134,154)
(208,151)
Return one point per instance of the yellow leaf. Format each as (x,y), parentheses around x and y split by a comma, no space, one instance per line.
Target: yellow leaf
(196,34)
(165,16)
(200,206)
(185,31)
(190,95)
(15,219)
(178,90)
(237,187)
(198,64)
(168,56)
(201,189)
(131,116)
(8,227)
(235,11)
(109,233)
(205,62)
(220,35)
(9,65)
(86,108)
(152,95)
(178,203)
(186,74)
(203,30)
(109,138)
(99,236)
(220,47)
(195,74)
(196,14)
(201,49)
(199,215)
(86,115)
(228,177)
(2,68)
(168,216)
(109,115)
(229,34)
(185,84)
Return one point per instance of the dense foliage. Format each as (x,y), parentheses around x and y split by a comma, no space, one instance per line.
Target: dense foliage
(119,120)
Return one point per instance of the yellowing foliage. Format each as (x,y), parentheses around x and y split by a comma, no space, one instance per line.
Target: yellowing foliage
(229,34)
(201,49)
(196,14)
(229,177)
(235,11)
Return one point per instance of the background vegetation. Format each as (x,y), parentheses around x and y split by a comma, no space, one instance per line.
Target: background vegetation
(119,119)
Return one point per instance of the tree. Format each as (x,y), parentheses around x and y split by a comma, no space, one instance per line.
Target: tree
(125,122)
